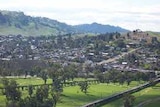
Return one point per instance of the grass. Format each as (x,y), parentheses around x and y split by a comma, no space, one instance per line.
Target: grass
(29,30)
(29,81)
(37,81)
(141,96)
(72,96)
(153,104)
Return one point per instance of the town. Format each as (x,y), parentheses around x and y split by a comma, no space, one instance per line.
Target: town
(131,51)
(79,53)
(97,58)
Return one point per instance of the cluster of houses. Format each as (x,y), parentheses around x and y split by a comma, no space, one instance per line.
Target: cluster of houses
(32,48)
(19,47)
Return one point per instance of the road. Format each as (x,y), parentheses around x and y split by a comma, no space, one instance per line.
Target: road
(117,57)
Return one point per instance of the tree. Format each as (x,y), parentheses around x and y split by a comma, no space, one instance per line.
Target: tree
(42,93)
(60,42)
(57,86)
(43,75)
(138,76)
(113,76)
(2,18)
(30,90)
(55,97)
(54,71)
(40,99)
(120,43)
(128,100)
(73,71)
(121,78)
(99,75)
(107,78)
(84,86)
(131,58)
(11,91)
(13,95)
(68,72)
(128,77)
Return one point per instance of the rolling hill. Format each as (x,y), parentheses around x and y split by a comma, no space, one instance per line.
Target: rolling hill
(12,22)
(99,28)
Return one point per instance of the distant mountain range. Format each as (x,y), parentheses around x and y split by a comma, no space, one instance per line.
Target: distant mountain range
(12,22)
(98,28)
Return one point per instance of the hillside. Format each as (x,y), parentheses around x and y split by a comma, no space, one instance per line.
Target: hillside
(12,22)
(18,23)
(154,34)
(99,28)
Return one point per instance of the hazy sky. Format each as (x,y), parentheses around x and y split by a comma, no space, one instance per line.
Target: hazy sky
(130,14)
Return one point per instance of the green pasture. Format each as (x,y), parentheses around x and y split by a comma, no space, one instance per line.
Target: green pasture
(141,96)
(37,81)
(73,97)
(153,104)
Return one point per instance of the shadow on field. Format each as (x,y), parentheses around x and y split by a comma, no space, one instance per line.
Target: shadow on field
(138,100)
(156,87)
(81,97)
(63,95)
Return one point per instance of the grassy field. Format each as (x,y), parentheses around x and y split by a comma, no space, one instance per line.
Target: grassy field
(29,30)
(36,81)
(72,96)
(153,104)
(141,96)
(28,81)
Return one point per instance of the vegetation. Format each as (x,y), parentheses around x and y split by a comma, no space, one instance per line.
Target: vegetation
(74,94)
(84,86)
(39,99)
(56,62)
(140,97)
(114,76)
(152,103)
(128,100)
(12,22)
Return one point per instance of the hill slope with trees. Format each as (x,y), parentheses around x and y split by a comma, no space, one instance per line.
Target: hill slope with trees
(12,22)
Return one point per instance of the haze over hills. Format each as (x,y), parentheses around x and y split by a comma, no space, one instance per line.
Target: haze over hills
(12,22)
(99,28)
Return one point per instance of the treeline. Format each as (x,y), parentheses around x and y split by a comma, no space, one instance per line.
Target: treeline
(68,40)
(41,97)
(45,70)
(20,67)
(122,77)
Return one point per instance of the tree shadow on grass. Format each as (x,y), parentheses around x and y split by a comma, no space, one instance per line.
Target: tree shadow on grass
(81,97)
(63,95)
(155,87)
(139,99)
(90,95)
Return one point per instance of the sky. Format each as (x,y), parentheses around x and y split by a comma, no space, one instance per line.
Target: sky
(129,14)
